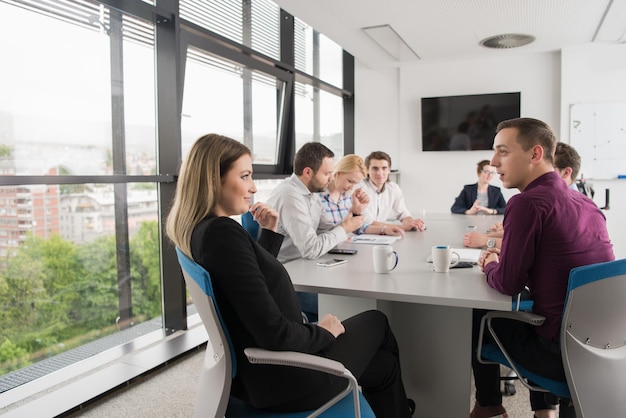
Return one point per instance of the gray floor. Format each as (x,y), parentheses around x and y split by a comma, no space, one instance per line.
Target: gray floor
(170,392)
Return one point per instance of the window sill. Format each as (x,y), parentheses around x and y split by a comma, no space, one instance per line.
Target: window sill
(70,389)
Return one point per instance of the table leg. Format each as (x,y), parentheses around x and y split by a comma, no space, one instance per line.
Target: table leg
(435,350)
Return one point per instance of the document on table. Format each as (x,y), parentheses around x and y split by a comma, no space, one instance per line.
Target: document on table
(373,239)
(469,255)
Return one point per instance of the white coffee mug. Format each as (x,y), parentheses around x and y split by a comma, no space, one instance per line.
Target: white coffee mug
(442,258)
(385,258)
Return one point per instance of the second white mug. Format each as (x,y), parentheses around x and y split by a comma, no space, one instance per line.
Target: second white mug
(385,258)
(442,258)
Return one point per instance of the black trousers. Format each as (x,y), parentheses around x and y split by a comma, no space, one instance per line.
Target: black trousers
(369,350)
(528,349)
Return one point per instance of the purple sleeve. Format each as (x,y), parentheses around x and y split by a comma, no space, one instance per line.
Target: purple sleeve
(522,229)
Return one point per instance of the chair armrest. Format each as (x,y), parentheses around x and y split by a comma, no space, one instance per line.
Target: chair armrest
(312,362)
(295,359)
(528,317)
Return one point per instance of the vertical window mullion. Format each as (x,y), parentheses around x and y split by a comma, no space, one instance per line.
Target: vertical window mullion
(119,167)
(287,56)
(246,15)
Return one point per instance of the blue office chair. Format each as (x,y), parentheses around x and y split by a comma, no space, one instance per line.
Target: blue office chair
(219,367)
(250,225)
(593,343)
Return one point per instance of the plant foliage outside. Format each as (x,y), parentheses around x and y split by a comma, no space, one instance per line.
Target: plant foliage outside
(56,295)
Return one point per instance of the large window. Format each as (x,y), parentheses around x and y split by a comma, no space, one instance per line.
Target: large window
(232,99)
(80,260)
(319,118)
(318,55)
(99,102)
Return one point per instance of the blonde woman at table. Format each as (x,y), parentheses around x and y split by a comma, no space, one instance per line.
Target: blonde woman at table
(256,296)
(339,200)
(480,197)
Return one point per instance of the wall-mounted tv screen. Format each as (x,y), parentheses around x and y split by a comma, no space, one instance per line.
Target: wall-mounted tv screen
(465,123)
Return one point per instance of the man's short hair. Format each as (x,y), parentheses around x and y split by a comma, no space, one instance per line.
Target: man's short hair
(531,132)
(377,155)
(311,155)
(566,156)
(481,164)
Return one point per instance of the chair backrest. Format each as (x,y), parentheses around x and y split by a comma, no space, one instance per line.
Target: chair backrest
(219,364)
(250,225)
(593,339)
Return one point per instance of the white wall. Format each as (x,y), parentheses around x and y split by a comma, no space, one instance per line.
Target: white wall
(388,115)
(591,74)
(376,111)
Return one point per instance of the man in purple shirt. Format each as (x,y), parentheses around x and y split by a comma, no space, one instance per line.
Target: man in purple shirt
(549,229)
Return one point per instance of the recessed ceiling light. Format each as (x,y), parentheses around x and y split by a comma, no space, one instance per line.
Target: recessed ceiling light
(388,39)
(507,40)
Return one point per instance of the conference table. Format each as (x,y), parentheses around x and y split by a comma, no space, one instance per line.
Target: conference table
(430,313)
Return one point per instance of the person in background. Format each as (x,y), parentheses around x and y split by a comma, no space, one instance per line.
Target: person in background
(257,301)
(480,197)
(548,231)
(307,232)
(338,202)
(567,163)
(386,199)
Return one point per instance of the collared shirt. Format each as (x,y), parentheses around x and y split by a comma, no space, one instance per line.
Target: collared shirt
(388,204)
(573,186)
(336,212)
(307,232)
(548,230)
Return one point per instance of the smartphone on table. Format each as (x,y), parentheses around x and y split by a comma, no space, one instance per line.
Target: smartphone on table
(331,262)
(345,251)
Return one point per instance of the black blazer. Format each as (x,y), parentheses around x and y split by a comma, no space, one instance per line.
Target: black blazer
(468,196)
(260,309)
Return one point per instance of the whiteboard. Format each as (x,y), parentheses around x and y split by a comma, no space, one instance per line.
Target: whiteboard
(598,132)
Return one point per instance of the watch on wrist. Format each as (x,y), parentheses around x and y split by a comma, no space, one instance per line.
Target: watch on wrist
(491,243)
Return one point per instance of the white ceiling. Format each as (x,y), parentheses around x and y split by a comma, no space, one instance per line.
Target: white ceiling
(440,30)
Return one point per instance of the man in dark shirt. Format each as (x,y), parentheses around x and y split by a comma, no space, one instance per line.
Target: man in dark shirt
(549,229)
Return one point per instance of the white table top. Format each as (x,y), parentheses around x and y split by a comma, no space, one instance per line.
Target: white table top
(413,280)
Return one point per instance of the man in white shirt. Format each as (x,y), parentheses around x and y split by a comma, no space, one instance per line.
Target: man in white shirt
(307,233)
(386,199)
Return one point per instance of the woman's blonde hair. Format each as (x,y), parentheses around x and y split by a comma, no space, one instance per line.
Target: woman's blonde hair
(350,163)
(199,185)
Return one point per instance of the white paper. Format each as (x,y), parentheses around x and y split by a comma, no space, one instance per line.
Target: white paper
(373,239)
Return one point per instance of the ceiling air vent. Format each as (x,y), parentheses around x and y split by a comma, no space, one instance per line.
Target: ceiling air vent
(508,40)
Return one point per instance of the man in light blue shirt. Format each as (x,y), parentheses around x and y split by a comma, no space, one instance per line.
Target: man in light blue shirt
(307,233)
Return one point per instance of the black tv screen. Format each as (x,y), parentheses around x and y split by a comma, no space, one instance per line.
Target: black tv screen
(465,123)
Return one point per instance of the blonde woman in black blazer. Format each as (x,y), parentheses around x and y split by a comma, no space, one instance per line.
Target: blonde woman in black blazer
(256,296)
